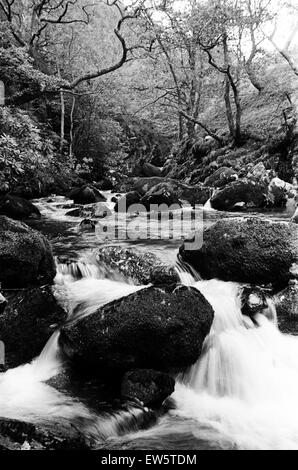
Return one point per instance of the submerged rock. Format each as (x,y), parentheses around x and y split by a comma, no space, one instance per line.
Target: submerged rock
(142,268)
(21,435)
(286,303)
(254,301)
(87,194)
(251,250)
(87,225)
(28,321)
(250,193)
(18,208)
(147,386)
(25,255)
(150,329)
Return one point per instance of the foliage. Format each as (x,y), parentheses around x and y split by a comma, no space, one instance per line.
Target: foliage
(27,154)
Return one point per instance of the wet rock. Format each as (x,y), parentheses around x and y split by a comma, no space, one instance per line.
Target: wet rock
(286,303)
(194,195)
(18,208)
(251,250)
(163,193)
(254,301)
(143,185)
(25,255)
(87,225)
(221,177)
(280,192)
(28,321)
(150,170)
(150,329)
(252,194)
(100,210)
(87,194)
(147,386)
(142,268)
(123,204)
(20,435)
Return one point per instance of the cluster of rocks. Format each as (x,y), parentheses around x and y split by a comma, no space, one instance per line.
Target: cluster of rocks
(259,253)
(139,341)
(240,178)
(147,193)
(144,337)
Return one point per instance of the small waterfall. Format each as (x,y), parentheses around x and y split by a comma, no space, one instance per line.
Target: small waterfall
(245,384)
(24,393)
(84,286)
(187,274)
(207,206)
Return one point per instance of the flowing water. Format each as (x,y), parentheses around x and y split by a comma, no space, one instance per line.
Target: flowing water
(241,394)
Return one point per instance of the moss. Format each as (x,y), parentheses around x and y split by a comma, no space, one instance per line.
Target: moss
(247,250)
(151,329)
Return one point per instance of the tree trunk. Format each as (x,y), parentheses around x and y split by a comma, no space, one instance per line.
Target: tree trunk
(71,126)
(229,111)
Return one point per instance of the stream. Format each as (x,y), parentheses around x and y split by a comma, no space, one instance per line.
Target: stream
(241,393)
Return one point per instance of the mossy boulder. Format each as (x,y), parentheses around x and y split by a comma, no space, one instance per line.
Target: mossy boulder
(87,194)
(18,208)
(25,255)
(151,329)
(250,193)
(27,322)
(252,250)
(141,268)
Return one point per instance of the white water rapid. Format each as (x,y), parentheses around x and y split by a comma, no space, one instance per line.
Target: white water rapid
(245,385)
(24,393)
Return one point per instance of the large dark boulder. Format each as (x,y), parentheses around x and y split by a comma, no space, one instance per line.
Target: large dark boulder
(250,250)
(221,177)
(150,170)
(142,268)
(150,329)
(25,255)
(123,204)
(147,386)
(28,321)
(87,194)
(21,435)
(163,193)
(18,208)
(143,185)
(250,193)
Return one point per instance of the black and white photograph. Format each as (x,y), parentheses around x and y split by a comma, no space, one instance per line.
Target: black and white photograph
(148,229)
